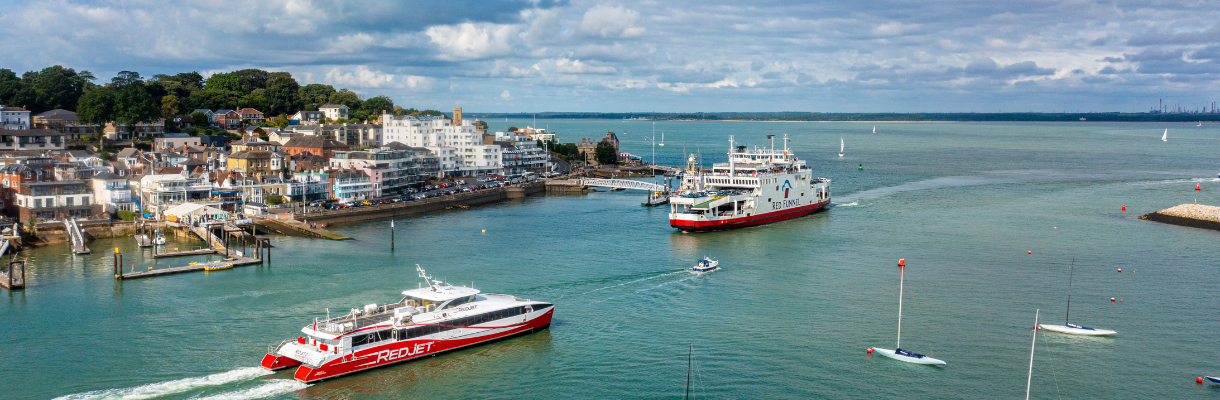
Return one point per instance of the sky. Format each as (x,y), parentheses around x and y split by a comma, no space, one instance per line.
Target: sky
(658,56)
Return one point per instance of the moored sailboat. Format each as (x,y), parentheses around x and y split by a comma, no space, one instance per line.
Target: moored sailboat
(1073,329)
(840,147)
(898,353)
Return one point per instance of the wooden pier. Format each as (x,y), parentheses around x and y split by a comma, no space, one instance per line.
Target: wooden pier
(243,261)
(195,252)
(13,277)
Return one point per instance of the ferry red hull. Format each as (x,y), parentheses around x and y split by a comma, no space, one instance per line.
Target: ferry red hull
(409,350)
(743,222)
(276,363)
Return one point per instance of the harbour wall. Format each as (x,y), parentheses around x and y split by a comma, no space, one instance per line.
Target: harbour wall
(460,200)
(1189,221)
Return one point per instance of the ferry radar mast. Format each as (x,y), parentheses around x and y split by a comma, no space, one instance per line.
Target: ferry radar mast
(434,284)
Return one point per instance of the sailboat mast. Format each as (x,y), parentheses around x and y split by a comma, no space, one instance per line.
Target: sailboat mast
(1068,313)
(686,387)
(1030,377)
(901,278)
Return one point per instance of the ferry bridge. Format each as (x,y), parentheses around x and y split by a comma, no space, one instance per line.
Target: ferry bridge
(624,184)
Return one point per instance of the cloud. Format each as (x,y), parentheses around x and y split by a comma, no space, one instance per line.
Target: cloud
(506,95)
(469,41)
(1210,35)
(566,66)
(611,22)
(360,77)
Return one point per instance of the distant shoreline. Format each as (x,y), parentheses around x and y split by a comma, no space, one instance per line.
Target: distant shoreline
(874,118)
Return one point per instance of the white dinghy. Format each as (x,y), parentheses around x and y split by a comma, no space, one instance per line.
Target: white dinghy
(1165,136)
(898,353)
(1073,329)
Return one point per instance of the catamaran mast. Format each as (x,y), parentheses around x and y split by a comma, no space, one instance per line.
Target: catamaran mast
(686,387)
(1068,313)
(901,278)
(1030,377)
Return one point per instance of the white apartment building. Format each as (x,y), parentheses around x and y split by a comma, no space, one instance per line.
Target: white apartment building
(525,154)
(459,147)
(113,192)
(14,118)
(335,111)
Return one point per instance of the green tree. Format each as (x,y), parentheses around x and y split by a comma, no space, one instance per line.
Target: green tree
(56,87)
(314,95)
(224,82)
(480,125)
(605,153)
(10,86)
(281,94)
(347,98)
(199,120)
(280,121)
(512,129)
(133,105)
(169,106)
(125,78)
(215,99)
(375,106)
(253,100)
(251,79)
(96,107)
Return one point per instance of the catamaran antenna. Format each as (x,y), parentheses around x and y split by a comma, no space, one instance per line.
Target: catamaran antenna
(1067,314)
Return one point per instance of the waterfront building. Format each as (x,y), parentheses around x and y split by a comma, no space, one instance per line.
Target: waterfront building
(253,143)
(306,161)
(174,140)
(306,117)
(227,119)
(63,121)
(520,153)
(391,171)
(113,132)
(31,139)
(54,200)
(537,134)
(459,146)
(427,162)
(252,163)
(159,192)
(353,135)
(335,111)
(113,193)
(307,186)
(20,171)
(14,118)
(317,145)
(350,185)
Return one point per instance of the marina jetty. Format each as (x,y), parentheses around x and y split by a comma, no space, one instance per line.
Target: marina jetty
(1192,215)
(458,201)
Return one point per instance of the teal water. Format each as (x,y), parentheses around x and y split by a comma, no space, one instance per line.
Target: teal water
(789,316)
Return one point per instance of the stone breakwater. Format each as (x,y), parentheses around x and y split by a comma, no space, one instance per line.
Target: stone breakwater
(1192,215)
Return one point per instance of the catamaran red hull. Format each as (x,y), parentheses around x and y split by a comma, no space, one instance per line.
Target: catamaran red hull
(743,222)
(408,350)
(276,363)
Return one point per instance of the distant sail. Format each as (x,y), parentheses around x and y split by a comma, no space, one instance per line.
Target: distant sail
(840,147)
(1165,136)
(874,129)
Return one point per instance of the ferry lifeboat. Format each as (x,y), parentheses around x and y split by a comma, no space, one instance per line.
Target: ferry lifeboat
(755,187)
(430,320)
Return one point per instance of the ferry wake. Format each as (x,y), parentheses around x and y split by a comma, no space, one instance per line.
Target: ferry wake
(754,188)
(433,319)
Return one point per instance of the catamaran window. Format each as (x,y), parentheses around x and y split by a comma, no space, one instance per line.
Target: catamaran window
(370,338)
(457,302)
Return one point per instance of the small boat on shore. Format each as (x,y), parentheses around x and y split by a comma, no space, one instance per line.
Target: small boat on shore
(217,266)
(706,265)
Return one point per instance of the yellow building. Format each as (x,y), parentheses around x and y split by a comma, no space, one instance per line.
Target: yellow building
(257,164)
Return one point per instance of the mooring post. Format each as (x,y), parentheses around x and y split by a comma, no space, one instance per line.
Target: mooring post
(10,275)
(391,235)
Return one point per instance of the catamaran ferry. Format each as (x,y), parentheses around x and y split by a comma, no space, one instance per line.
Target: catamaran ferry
(429,320)
(754,188)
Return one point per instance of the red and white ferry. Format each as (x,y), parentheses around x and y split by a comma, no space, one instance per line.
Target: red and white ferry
(429,320)
(754,188)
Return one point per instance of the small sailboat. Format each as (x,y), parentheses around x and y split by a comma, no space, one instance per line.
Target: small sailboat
(706,265)
(898,353)
(840,146)
(1165,136)
(160,239)
(1200,123)
(874,128)
(662,144)
(1073,329)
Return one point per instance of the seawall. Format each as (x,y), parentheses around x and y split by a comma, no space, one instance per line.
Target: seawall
(460,200)
(1191,215)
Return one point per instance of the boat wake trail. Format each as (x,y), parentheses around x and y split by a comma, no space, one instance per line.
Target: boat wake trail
(948,181)
(852,204)
(624,283)
(273,387)
(159,389)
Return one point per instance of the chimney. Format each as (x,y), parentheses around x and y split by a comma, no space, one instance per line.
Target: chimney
(457,116)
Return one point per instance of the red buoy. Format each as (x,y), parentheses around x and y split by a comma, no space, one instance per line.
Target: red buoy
(1120,270)
(1124,208)
(1120,300)
(1199,379)
(902,262)
(1030,252)
(870,350)
(1111,299)
(1197,186)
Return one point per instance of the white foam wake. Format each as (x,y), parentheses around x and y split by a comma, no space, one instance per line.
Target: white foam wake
(273,387)
(852,204)
(159,389)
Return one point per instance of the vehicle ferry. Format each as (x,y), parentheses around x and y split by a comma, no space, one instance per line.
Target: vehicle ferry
(433,319)
(754,188)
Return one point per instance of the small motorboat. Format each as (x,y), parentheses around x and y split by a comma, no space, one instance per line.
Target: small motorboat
(706,265)
(217,266)
(160,239)
(913,358)
(1074,329)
